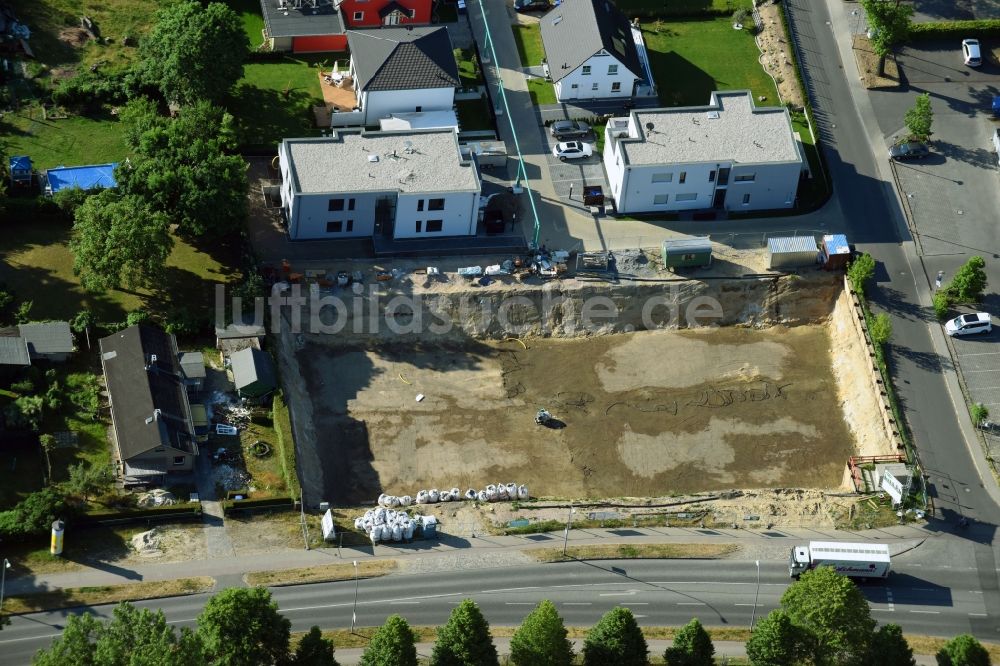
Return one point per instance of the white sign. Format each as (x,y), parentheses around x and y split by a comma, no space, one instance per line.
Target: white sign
(329,530)
(891,485)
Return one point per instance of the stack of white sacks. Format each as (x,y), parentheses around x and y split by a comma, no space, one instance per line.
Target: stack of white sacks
(383,524)
(500,492)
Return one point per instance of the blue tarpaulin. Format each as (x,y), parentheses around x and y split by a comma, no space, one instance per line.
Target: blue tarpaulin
(85,177)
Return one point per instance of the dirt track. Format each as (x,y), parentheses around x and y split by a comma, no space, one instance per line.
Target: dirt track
(647,414)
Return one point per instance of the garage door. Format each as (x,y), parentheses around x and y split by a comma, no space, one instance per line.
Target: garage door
(319,43)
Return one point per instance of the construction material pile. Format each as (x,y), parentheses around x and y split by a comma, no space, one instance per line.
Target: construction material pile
(500,492)
(388,524)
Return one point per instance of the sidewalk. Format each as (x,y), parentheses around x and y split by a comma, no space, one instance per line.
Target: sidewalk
(772,544)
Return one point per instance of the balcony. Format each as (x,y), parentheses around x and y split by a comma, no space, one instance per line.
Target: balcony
(340,107)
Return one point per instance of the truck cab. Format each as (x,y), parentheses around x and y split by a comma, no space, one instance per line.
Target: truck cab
(799,561)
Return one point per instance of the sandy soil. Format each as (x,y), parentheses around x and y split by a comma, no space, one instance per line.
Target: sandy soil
(645,414)
(776,56)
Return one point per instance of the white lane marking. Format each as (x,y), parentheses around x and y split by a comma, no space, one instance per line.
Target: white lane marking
(882,610)
(405,603)
(626,593)
(577,603)
(634,603)
(520,603)
(758,605)
(690,603)
(977,614)
(926,612)
(509,589)
(888,596)
(29,638)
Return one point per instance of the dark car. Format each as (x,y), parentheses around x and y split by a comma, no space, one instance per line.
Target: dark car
(569,129)
(909,151)
(532,5)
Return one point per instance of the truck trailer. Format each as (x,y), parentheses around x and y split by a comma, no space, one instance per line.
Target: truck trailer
(855,560)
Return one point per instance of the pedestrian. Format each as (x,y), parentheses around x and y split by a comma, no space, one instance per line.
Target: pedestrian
(939,279)
(571,191)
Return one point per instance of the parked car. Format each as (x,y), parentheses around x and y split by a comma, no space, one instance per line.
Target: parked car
(532,5)
(909,150)
(969,324)
(225,429)
(569,129)
(572,150)
(970,53)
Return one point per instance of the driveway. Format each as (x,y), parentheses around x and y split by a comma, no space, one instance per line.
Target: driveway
(569,177)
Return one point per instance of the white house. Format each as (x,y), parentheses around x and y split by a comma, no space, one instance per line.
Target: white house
(728,155)
(590,51)
(407,184)
(402,70)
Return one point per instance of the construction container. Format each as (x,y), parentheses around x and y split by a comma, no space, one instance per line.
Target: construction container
(791,252)
(835,252)
(687,252)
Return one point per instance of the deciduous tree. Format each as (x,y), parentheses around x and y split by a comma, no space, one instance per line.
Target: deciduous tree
(541,639)
(889,647)
(881,329)
(393,644)
(963,650)
(86,479)
(860,271)
(969,282)
(465,640)
(692,647)
(242,627)
(890,25)
(314,650)
(776,641)
(920,118)
(615,639)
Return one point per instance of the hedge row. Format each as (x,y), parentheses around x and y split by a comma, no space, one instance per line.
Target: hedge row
(172,512)
(955,29)
(250,505)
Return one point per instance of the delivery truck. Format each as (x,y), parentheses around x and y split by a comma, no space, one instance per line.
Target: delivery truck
(855,560)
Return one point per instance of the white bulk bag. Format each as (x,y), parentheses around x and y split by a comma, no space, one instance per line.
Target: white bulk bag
(512,490)
(433,496)
(421,497)
(381,499)
(397,533)
(471,494)
(522,492)
(405,500)
(481,496)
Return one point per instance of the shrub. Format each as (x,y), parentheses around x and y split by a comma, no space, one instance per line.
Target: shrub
(23,386)
(942,303)
(979,412)
(860,271)
(881,329)
(954,29)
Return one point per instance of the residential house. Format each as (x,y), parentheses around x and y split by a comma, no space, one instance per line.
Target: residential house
(729,155)
(375,13)
(150,413)
(402,70)
(253,374)
(193,369)
(591,51)
(393,184)
(48,340)
(90,177)
(303,26)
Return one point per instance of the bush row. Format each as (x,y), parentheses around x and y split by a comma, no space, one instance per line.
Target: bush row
(230,506)
(955,29)
(173,512)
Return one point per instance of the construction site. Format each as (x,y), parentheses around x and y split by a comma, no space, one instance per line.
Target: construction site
(777,393)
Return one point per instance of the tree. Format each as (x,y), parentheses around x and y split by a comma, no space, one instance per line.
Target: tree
(969,282)
(860,271)
(118,240)
(185,167)
(889,647)
(776,641)
(881,329)
(541,639)
(83,320)
(242,627)
(131,636)
(86,479)
(136,317)
(941,302)
(39,510)
(25,413)
(831,609)
(195,52)
(692,647)
(6,304)
(393,644)
(23,313)
(314,650)
(47,443)
(919,119)
(615,639)
(890,25)
(465,639)
(963,650)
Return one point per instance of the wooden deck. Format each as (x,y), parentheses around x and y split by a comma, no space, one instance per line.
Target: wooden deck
(341,96)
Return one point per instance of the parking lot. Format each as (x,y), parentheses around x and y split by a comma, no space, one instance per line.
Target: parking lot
(979,357)
(573,175)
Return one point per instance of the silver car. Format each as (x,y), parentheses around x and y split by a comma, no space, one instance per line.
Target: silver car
(569,129)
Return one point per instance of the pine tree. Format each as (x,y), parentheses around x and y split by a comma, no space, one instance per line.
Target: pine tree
(465,640)
(692,647)
(392,645)
(541,639)
(616,639)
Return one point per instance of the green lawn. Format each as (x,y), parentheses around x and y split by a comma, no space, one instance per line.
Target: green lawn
(528,39)
(679,7)
(72,141)
(541,91)
(473,114)
(468,68)
(253,22)
(813,192)
(690,59)
(274,100)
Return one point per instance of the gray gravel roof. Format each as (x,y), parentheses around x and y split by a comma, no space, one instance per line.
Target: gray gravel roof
(49,337)
(290,22)
(14,351)
(403,58)
(379,162)
(728,129)
(577,29)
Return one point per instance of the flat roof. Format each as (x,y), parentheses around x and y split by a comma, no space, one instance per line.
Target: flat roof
(285,20)
(404,161)
(730,128)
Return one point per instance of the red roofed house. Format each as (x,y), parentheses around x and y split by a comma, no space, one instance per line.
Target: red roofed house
(316,26)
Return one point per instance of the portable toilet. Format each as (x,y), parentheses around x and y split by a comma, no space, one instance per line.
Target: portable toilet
(20,171)
(835,252)
(687,252)
(791,252)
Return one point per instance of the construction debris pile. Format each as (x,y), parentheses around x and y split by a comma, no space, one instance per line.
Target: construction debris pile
(500,492)
(147,544)
(157,497)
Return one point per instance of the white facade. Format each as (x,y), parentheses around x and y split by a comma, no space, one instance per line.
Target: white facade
(382,103)
(601,76)
(455,214)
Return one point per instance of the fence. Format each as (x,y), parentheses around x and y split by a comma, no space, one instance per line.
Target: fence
(736,240)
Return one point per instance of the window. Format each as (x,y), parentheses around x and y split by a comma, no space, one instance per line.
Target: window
(350,204)
(711,176)
(746,199)
(586,70)
(690,196)
(745,178)
(350,225)
(358,16)
(612,69)
(574,86)
(434,225)
(334,227)
(413,13)
(435,204)
(663,177)
(684,175)
(594,87)
(178,460)
(419,224)
(660,199)
(336,204)
(616,86)
(420,205)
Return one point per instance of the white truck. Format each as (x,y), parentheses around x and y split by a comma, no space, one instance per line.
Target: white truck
(855,560)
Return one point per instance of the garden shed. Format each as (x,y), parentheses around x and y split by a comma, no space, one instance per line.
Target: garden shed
(253,374)
(20,171)
(687,252)
(791,252)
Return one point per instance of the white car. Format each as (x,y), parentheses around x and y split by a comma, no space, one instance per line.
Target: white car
(969,324)
(971,53)
(572,150)
(225,429)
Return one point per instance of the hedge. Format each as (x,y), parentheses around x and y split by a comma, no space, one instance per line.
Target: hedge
(955,29)
(189,511)
(249,505)
(285,443)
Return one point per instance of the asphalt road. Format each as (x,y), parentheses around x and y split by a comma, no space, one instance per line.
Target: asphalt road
(925,600)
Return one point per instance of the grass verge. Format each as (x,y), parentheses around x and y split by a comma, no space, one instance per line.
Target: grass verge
(275,99)
(541,91)
(106,594)
(528,39)
(650,551)
(868,66)
(321,574)
(285,444)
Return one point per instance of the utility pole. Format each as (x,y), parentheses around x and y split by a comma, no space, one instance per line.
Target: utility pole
(569,523)
(753,613)
(354,614)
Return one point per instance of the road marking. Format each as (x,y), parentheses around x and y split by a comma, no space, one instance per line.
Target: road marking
(577,603)
(976,591)
(520,603)
(926,612)
(634,603)
(883,610)
(509,589)
(690,603)
(977,614)
(405,603)
(626,593)
(888,596)
(30,638)
(758,605)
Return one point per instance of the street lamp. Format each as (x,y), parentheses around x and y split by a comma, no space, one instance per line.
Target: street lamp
(569,524)
(354,613)
(753,613)
(3,580)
